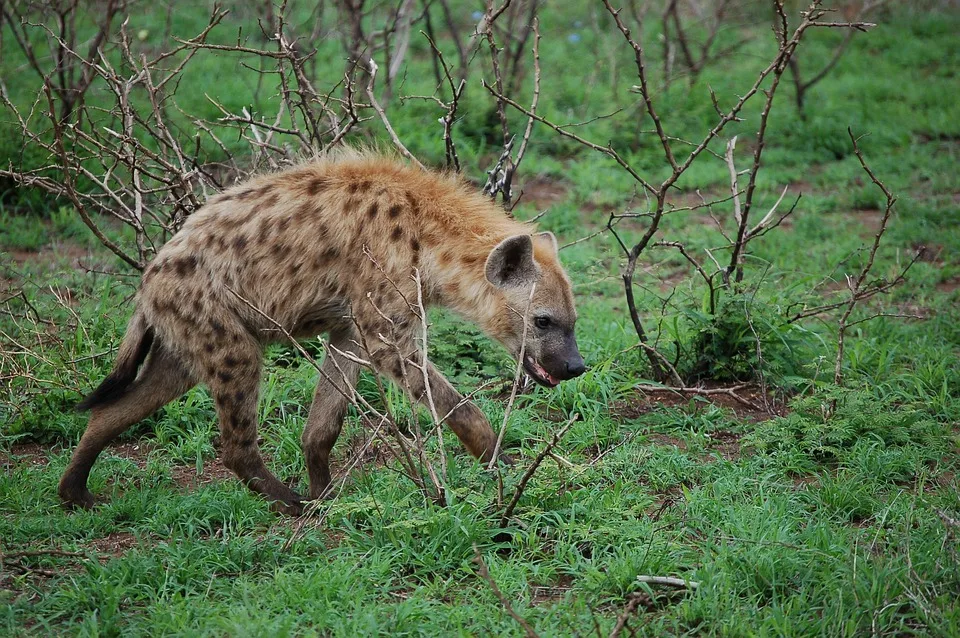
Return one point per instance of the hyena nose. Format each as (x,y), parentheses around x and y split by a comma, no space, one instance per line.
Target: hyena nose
(575,368)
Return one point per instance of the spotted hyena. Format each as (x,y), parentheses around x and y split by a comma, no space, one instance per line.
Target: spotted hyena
(332,246)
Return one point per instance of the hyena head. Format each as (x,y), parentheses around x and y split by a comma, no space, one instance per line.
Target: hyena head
(525,264)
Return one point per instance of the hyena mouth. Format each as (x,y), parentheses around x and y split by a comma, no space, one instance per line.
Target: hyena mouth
(538,374)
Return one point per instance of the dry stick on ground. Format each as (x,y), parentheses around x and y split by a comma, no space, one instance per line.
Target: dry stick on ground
(787,46)
(634,601)
(638,598)
(730,392)
(522,485)
(13,560)
(485,575)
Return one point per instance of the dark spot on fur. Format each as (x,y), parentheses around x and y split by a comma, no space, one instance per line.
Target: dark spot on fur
(239,396)
(350,205)
(415,245)
(283,224)
(317,185)
(373,210)
(471,261)
(359,187)
(224,376)
(208,347)
(280,250)
(269,201)
(394,210)
(239,242)
(304,212)
(397,233)
(412,201)
(216,326)
(230,361)
(295,268)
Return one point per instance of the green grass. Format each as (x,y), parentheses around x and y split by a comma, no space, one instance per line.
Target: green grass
(828,520)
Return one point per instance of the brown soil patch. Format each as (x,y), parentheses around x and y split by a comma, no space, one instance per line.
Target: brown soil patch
(113,544)
(547,594)
(867,221)
(802,482)
(24,454)
(755,411)
(668,441)
(726,444)
(56,252)
(187,478)
(543,192)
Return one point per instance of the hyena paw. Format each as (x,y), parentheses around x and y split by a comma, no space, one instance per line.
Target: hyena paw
(292,508)
(77,499)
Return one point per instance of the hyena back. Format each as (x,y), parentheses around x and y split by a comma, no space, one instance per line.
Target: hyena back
(332,246)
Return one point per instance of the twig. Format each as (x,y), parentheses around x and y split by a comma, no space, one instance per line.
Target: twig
(668,580)
(730,392)
(521,486)
(516,381)
(485,574)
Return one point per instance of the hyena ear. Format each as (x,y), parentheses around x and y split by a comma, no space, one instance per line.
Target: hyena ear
(547,239)
(510,264)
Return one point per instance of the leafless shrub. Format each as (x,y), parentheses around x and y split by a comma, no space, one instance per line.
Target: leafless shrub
(694,54)
(800,85)
(723,269)
(135,160)
(506,74)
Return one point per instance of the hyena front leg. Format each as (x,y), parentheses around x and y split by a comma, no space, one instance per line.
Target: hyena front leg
(234,381)
(338,376)
(462,416)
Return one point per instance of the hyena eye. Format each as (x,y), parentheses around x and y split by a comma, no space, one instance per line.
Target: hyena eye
(542,322)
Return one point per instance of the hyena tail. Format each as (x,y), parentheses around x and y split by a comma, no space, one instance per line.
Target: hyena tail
(134,349)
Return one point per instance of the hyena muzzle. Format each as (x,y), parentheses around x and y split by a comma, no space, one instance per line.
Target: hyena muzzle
(334,246)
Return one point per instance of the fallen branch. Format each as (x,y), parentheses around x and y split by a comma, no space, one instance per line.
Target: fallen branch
(670,581)
(730,392)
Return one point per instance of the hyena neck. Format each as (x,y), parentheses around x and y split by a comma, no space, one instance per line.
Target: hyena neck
(458,281)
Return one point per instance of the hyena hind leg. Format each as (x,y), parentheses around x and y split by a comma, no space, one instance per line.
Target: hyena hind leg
(162,379)
(234,382)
